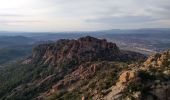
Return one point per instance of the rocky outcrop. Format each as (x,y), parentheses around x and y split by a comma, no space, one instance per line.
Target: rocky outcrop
(127,76)
(124,80)
(148,81)
(159,60)
(82,50)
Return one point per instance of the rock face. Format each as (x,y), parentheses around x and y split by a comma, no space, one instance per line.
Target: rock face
(127,76)
(159,60)
(81,50)
(160,65)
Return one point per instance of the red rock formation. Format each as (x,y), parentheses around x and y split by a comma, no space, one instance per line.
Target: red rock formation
(158,60)
(81,50)
(127,76)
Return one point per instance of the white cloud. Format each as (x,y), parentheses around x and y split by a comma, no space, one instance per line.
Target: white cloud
(73,15)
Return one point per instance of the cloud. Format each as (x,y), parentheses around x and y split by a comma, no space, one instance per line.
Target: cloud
(71,15)
(19,21)
(122,19)
(11,15)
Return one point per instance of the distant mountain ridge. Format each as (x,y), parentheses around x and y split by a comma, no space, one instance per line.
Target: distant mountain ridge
(113,31)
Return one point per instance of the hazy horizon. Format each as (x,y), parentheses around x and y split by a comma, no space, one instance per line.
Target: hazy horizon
(81,31)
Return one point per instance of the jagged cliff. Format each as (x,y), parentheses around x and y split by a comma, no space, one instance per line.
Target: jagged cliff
(82,50)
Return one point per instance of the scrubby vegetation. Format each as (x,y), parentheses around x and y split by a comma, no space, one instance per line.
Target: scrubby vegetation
(13,53)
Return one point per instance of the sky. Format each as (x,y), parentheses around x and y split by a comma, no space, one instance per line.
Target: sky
(82,15)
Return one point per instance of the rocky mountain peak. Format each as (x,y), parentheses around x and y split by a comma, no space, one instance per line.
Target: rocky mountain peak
(84,49)
(80,50)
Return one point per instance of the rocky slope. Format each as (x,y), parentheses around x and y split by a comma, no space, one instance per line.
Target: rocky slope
(86,68)
(148,81)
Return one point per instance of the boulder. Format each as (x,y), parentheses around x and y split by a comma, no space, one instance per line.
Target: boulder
(127,76)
